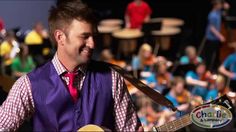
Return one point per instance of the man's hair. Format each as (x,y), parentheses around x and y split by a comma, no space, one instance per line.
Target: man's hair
(65,11)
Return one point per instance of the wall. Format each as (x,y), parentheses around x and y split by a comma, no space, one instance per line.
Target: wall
(24,13)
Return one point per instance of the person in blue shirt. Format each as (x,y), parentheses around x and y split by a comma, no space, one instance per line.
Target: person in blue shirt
(177,88)
(193,78)
(228,68)
(190,56)
(213,35)
(145,54)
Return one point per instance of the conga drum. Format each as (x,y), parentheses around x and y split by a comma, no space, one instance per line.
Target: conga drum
(106,33)
(106,27)
(111,22)
(128,40)
(169,22)
(163,36)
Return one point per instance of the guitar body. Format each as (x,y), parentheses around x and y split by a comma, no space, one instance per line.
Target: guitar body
(90,128)
(169,126)
(93,128)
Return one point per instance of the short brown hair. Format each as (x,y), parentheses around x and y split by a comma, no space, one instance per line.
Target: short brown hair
(61,15)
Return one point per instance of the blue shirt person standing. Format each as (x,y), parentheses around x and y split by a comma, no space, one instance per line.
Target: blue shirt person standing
(214,37)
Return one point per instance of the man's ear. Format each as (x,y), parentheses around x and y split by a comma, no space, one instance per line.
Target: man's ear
(60,37)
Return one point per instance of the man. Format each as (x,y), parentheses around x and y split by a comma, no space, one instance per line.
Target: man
(136,13)
(214,37)
(70,91)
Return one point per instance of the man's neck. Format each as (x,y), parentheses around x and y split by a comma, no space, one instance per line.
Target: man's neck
(70,65)
(138,2)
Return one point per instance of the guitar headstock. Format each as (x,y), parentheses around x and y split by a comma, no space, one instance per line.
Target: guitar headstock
(223,101)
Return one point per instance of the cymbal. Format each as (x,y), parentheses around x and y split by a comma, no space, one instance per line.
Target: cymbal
(166,31)
(111,22)
(127,33)
(170,22)
(108,29)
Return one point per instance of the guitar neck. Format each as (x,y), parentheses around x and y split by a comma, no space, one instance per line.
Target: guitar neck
(176,124)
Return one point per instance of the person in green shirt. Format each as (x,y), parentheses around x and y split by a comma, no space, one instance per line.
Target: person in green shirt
(23,63)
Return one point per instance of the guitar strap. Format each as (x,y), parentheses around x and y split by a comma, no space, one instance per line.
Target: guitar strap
(154,95)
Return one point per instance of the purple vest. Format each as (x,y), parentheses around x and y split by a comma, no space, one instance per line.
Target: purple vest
(54,108)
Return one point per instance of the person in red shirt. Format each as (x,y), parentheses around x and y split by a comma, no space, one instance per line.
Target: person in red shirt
(136,13)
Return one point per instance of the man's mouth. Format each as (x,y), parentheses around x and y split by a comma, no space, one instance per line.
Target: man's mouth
(86,50)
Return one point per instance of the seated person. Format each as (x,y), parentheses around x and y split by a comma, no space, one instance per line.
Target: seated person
(195,79)
(8,50)
(190,57)
(23,63)
(39,46)
(36,35)
(177,88)
(145,58)
(228,68)
(162,78)
(107,56)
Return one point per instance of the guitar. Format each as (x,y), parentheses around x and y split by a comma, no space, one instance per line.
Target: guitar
(172,125)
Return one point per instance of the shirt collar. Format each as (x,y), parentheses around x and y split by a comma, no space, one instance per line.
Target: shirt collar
(61,69)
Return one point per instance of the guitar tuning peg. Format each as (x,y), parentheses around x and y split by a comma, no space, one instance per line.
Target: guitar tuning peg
(220,100)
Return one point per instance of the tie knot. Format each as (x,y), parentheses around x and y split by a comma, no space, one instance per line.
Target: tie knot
(71,74)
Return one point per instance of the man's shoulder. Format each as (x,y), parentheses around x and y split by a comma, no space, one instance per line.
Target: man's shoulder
(95,65)
(41,69)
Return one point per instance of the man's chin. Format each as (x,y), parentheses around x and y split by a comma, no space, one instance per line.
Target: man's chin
(84,60)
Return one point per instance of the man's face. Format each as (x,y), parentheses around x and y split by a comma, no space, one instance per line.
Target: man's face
(79,42)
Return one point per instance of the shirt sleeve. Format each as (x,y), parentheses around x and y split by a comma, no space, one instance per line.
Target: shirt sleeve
(148,10)
(228,62)
(126,118)
(18,106)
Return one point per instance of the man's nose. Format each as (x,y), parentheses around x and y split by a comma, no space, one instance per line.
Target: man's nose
(90,42)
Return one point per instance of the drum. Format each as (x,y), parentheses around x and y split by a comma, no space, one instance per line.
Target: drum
(111,22)
(163,36)
(128,40)
(169,22)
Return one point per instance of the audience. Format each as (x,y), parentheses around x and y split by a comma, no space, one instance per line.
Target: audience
(23,63)
(8,50)
(228,68)
(190,56)
(145,58)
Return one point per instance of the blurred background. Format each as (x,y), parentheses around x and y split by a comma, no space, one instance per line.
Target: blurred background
(184,49)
